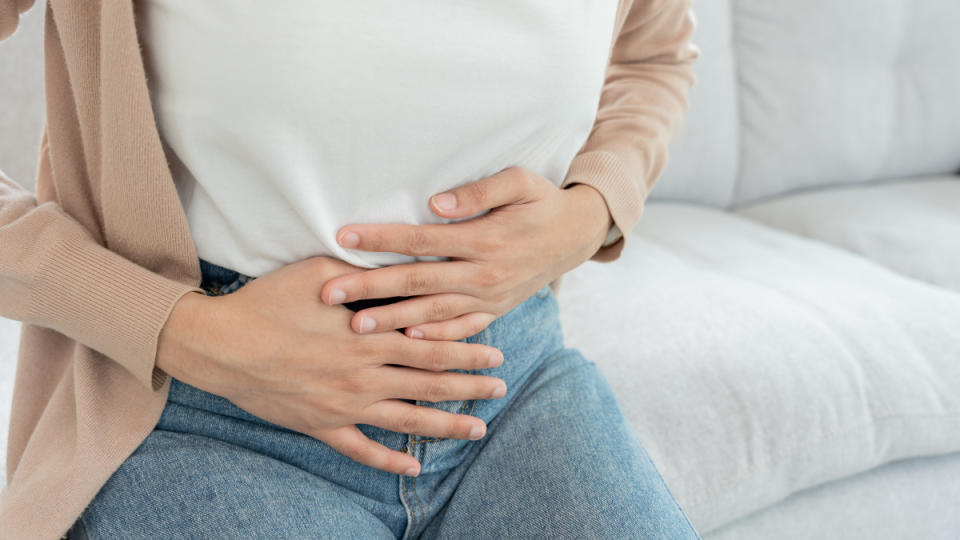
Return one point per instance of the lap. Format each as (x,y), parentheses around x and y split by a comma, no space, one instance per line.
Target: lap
(563,462)
(559,461)
(179,485)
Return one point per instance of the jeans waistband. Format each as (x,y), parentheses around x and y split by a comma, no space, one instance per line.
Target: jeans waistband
(218,280)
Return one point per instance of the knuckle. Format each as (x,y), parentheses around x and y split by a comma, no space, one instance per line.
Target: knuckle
(373,239)
(418,241)
(353,383)
(502,302)
(528,180)
(366,350)
(416,283)
(361,289)
(437,389)
(483,243)
(480,325)
(478,192)
(319,265)
(410,421)
(363,454)
(437,358)
(491,277)
(438,310)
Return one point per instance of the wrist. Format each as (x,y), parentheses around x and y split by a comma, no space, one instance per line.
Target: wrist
(179,329)
(596,219)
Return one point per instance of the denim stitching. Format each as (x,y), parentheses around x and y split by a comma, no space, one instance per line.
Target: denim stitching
(413,488)
(416,496)
(429,440)
(473,406)
(413,515)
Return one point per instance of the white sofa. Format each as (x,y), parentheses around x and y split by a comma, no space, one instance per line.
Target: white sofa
(784,329)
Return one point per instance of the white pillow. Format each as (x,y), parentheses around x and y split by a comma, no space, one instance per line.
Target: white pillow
(911,226)
(754,363)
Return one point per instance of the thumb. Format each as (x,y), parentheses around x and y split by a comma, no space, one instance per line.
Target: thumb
(509,186)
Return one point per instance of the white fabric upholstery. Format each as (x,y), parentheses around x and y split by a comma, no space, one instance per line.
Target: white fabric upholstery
(911,226)
(846,91)
(704,156)
(754,363)
(905,500)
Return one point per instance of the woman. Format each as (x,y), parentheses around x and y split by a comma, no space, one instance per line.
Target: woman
(280,399)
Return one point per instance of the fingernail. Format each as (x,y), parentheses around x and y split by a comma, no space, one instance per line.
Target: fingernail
(367,324)
(337,296)
(414,333)
(412,471)
(476,432)
(349,240)
(499,391)
(494,359)
(445,201)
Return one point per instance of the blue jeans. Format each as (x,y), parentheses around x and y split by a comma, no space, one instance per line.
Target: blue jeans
(559,460)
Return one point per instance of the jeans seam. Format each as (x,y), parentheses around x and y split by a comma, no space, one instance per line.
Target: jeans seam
(413,487)
(413,515)
(427,440)
(404,497)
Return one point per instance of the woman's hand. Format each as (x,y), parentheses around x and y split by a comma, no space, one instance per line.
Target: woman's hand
(533,233)
(275,350)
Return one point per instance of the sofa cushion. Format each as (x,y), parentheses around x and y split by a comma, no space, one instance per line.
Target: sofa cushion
(911,226)
(845,91)
(754,363)
(704,156)
(867,505)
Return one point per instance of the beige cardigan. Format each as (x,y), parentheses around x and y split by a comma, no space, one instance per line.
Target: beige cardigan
(94,262)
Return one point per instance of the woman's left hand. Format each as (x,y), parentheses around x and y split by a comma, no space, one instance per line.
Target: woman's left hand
(533,233)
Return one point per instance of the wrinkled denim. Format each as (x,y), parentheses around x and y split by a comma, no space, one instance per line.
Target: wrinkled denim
(559,460)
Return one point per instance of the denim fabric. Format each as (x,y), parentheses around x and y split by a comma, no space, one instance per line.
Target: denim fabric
(559,460)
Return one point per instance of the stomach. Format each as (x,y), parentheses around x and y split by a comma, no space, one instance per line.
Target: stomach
(358,112)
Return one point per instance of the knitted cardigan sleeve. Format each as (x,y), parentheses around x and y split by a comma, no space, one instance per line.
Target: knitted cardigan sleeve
(55,273)
(642,103)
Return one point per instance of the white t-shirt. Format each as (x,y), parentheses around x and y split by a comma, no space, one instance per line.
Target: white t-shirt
(284,123)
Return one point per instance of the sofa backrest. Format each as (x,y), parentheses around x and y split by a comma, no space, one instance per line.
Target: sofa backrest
(797,94)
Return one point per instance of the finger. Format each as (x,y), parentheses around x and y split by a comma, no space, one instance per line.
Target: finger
(416,310)
(351,442)
(441,240)
(509,186)
(406,383)
(403,417)
(412,279)
(441,355)
(454,329)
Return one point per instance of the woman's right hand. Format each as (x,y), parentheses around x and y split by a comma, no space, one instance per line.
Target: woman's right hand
(274,349)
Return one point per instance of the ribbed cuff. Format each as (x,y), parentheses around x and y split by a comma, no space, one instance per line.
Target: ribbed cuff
(623,195)
(106,302)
